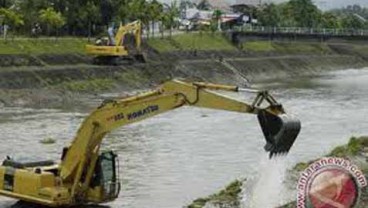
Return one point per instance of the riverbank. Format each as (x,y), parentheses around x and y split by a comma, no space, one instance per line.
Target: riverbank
(54,75)
(57,81)
(356,150)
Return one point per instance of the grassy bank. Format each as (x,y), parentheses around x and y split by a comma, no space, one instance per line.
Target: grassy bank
(356,150)
(191,41)
(286,47)
(42,46)
(179,42)
(228,197)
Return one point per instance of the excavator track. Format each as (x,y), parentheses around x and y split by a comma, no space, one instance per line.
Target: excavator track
(119,60)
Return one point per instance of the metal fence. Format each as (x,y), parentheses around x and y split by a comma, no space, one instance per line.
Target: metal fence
(301,31)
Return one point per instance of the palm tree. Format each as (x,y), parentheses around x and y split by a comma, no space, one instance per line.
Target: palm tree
(51,18)
(10,18)
(155,10)
(138,10)
(90,13)
(216,16)
(172,11)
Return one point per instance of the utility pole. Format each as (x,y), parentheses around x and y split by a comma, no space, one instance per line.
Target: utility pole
(2,28)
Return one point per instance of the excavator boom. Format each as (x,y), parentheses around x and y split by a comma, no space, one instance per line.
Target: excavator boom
(87,176)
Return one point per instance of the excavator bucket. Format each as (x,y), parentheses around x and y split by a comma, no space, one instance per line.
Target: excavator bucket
(280,131)
(140,58)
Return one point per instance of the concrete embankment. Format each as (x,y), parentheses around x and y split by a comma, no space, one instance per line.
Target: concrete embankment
(30,80)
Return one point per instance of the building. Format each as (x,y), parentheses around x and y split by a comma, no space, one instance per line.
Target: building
(215,5)
(202,13)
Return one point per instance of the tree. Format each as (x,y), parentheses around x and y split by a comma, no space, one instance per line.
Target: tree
(329,20)
(155,9)
(351,15)
(29,9)
(4,3)
(204,5)
(352,22)
(138,11)
(270,15)
(304,12)
(286,15)
(123,11)
(216,17)
(10,18)
(51,18)
(106,7)
(91,13)
(172,11)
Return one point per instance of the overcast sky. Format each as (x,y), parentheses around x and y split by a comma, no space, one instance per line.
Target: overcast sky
(329,4)
(323,4)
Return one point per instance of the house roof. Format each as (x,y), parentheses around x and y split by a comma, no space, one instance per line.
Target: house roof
(216,4)
(198,14)
(247,2)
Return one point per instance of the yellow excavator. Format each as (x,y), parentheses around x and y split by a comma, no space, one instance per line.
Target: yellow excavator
(87,175)
(113,50)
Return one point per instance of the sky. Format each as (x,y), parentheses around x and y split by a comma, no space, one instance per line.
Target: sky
(331,4)
(322,4)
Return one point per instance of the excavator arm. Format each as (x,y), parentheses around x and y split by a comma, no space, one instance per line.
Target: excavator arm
(77,166)
(135,27)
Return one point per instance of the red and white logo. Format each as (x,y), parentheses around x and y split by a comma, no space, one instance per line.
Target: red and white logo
(330,183)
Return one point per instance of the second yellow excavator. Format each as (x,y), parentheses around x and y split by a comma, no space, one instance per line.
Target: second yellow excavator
(113,50)
(88,176)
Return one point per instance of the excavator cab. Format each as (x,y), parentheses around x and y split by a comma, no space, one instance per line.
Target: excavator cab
(106,176)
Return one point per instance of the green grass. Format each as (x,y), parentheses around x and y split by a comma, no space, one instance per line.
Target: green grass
(259,46)
(354,147)
(285,47)
(229,196)
(300,47)
(190,41)
(42,46)
(186,41)
(161,45)
(204,41)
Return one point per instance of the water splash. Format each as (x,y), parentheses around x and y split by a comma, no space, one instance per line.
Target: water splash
(266,188)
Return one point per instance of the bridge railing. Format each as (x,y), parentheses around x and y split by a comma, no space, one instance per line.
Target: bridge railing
(302,31)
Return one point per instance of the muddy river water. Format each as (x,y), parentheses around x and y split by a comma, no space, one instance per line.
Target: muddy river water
(171,159)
